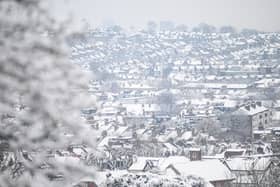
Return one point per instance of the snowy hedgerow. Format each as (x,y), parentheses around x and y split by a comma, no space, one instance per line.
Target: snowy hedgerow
(151,180)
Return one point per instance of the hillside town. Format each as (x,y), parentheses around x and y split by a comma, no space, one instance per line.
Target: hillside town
(149,93)
(173,103)
(173,107)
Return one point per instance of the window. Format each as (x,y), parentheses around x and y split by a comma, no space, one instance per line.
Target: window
(260,116)
(265,114)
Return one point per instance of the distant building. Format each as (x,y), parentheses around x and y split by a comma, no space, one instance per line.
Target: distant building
(250,117)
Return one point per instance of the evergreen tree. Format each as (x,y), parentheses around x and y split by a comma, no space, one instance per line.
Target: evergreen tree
(39,93)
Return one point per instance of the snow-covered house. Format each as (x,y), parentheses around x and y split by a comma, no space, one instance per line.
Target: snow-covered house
(211,170)
(249,171)
(250,117)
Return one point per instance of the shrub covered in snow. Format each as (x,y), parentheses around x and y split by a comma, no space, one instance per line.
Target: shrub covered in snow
(151,180)
(40,94)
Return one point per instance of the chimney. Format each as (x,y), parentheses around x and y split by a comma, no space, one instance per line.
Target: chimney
(253,105)
(195,154)
(259,103)
(247,107)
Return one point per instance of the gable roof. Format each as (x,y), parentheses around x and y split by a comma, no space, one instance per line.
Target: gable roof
(250,109)
(141,162)
(164,163)
(208,169)
(247,164)
(186,135)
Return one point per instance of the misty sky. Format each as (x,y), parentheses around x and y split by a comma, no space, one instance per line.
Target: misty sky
(257,14)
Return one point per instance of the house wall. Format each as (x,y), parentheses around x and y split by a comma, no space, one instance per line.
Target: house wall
(261,120)
(241,126)
(244,125)
(221,183)
(243,185)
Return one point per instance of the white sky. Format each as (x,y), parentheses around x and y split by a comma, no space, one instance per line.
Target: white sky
(256,14)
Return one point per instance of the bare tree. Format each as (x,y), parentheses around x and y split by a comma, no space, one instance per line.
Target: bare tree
(255,177)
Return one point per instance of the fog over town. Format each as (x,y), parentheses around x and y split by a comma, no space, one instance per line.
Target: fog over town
(157,99)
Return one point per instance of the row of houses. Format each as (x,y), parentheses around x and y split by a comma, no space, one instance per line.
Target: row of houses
(234,171)
(179,103)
